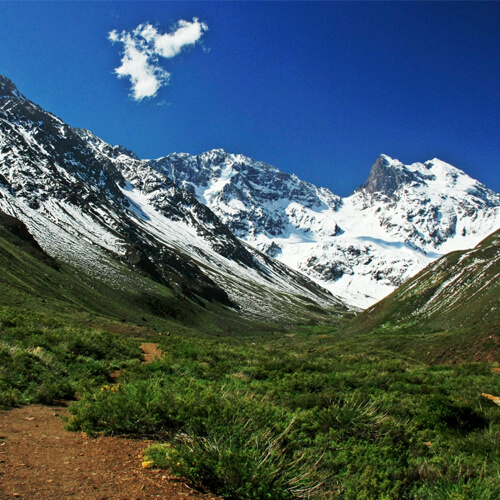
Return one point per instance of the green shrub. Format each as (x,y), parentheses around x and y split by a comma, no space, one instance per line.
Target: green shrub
(441,412)
(240,462)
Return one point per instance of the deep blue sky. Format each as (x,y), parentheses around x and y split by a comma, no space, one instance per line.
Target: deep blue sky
(318,89)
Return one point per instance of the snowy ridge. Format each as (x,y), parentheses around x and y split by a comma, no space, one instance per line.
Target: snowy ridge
(361,247)
(105,211)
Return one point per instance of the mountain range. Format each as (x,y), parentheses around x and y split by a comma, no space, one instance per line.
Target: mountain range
(361,247)
(101,209)
(224,228)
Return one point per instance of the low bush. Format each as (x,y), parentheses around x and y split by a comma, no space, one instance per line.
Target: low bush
(240,462)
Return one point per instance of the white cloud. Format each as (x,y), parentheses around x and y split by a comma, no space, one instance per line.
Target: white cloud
(141,51)
(170,44)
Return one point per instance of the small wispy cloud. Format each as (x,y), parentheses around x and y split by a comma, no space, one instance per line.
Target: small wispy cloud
(143,48)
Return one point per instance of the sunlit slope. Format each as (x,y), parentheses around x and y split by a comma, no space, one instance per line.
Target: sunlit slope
(459,291)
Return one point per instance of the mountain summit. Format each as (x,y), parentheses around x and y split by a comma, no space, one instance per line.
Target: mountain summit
(8,89)
(388,175)
(361,247)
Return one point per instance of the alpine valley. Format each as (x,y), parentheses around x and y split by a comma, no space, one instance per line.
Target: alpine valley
(226,228)
(244,286)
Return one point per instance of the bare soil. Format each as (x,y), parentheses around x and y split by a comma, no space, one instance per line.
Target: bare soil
(39,459)
(151,352)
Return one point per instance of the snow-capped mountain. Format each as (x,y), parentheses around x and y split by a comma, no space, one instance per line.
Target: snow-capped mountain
(226,227)
(361,247)
(102,209)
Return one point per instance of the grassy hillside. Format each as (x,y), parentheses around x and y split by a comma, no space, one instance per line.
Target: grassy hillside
(449,311)
(30,279)
(61,330)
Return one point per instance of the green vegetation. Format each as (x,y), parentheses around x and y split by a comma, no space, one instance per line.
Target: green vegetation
(307,415)
(354,411)
(43,360)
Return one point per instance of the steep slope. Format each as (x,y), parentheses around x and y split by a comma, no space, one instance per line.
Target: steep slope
(103,210)
(458,291)
(361,247)
(448,312)
(31,280)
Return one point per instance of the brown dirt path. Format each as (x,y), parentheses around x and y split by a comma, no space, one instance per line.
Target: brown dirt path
(151,352)
(41,460)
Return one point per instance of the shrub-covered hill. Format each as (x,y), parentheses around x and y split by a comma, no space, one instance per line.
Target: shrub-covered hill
(452,307)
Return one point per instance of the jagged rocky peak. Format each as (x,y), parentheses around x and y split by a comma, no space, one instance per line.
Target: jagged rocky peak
(391,178)
(251,197)
(233,175)
(216,156)
(387,175)
(8,89)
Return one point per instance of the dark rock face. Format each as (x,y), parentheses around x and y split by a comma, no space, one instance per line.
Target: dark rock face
(8,89)
(386,179)
(24,239)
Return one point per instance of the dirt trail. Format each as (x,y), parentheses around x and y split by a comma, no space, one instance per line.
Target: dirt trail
(151,352)
(41,460)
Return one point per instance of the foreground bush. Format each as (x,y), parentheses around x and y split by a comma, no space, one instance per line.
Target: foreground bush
(42,361)
(240,462)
